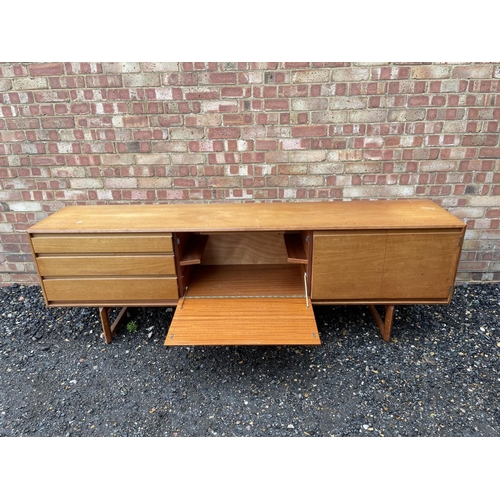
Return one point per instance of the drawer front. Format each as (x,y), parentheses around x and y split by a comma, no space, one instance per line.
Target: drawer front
(105,243)
(101,290)
(106,265)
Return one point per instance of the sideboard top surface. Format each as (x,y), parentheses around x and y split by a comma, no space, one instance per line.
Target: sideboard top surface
(286,216)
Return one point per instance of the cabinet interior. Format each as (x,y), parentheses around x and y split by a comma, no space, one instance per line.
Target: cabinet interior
(242,264)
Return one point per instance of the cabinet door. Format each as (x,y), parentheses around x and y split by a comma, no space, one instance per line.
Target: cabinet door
(420,264)
(348,265)
(385,266)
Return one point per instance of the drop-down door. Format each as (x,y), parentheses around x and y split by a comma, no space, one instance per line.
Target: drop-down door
(245,305)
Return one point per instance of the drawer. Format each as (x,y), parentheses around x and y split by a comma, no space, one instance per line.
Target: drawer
(102,290)
(105,265)
(105,243)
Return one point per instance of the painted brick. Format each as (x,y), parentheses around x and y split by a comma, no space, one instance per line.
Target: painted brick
(401,115)
(329,117)
(350,74)
(30,83)
(310,104)
(121,67)
(309,76)
(187,159)
(141,80)
(5,85)
(368,115)
(353,102)
(120,183)
(307,156)
(363,168)
(430,72)
(159,67)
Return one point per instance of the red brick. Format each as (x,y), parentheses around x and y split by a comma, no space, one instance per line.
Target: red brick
(278,104)
(309,131)
(208,94)
(418,100)
(46,69)
(472,71)
(70,82)
(238,119)
(253,157)
(233,92)
(223,133)
(267,145)
(59,122)
(135,121)
(489,153)
(222,78)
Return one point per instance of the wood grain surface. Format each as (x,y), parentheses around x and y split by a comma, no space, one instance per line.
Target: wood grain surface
(358,214)
(239,321)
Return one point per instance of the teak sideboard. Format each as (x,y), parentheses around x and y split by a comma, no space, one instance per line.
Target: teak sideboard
(248,274)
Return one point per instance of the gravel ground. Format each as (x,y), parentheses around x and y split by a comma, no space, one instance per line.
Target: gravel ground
(439,376)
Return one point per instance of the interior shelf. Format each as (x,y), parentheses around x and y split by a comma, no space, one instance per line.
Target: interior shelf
(295,249)
(194,249)
(266,280)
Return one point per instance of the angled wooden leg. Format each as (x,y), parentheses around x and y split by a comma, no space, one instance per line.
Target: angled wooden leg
(108,332)
(384,326)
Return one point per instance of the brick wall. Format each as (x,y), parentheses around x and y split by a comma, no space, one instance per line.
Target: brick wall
(209,132)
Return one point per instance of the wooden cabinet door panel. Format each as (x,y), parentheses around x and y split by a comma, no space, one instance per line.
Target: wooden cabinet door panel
(243,321)
(348,265)
(390,266)
(420,265)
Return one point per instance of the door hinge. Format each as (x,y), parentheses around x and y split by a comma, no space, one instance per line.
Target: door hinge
(459,240)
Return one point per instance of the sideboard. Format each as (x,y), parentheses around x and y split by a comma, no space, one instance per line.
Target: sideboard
(248,274)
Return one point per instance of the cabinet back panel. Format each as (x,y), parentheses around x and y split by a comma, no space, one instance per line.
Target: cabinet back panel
(245,248)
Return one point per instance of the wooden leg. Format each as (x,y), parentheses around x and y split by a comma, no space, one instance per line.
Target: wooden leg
(386,325)
(108,332)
